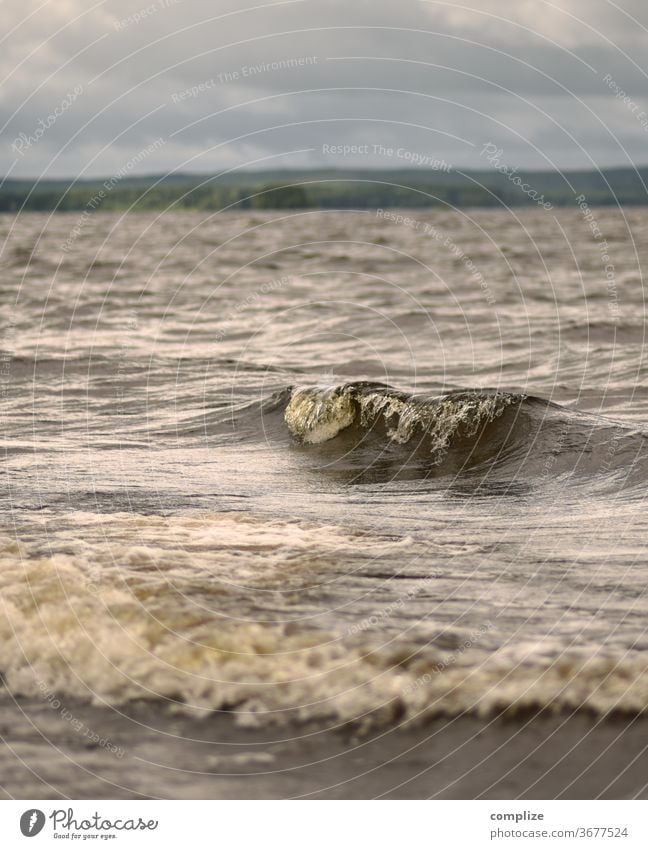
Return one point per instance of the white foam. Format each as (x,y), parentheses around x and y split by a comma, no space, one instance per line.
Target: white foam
(317,416)
(129,619)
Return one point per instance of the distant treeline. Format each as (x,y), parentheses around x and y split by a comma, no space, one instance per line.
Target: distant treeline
(330,190)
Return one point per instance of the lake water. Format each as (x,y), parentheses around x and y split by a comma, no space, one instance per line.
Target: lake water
(326,466)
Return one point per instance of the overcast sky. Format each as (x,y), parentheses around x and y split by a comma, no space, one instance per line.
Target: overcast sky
(203,86)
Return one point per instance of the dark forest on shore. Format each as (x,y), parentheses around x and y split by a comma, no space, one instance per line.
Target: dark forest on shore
(329,189)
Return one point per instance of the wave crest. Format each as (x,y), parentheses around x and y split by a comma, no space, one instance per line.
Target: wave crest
(316,415)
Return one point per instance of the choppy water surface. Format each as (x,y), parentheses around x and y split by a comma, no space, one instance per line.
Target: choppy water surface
(326,466)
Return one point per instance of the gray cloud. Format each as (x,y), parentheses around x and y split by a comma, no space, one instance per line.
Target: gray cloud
(435,78)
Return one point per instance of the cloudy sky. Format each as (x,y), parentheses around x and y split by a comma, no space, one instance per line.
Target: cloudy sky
(194,85)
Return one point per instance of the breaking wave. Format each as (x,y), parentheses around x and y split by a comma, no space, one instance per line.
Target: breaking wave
(317,415)
(460,432)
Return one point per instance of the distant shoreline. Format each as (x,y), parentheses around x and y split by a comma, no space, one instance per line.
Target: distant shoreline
(408,188)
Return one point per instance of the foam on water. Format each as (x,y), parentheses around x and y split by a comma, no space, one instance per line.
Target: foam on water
(127,618)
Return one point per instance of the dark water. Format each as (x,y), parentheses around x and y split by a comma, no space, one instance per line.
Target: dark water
(326,466)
